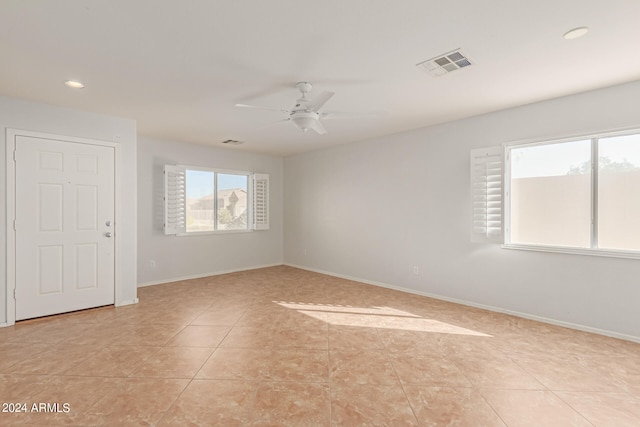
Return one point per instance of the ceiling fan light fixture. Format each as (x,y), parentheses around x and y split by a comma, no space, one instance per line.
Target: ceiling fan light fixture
(304,119)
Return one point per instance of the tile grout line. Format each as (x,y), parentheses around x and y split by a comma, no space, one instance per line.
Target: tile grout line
(404,392)
(570,406)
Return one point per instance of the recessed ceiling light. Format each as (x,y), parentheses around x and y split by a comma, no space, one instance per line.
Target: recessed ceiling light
(575,33)
(74,84)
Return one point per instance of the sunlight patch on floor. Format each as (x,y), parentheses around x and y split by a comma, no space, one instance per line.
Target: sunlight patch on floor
(376,317)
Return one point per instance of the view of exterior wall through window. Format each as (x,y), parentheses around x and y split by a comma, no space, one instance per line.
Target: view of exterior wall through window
(559,198)
(549,204)
(619,193)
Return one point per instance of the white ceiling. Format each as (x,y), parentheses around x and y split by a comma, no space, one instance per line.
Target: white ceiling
(179,67)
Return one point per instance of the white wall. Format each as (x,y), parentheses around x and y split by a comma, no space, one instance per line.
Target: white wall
(24,115)
(376,209)
(196,256)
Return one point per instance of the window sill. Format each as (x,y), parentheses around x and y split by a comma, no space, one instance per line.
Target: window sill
(574,251)
(207,233)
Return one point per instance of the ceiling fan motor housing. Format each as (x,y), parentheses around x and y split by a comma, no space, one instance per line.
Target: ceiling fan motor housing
(304,87)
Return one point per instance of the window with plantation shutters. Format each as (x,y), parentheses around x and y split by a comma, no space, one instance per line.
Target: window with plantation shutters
(487,195)
(174,199)
(201,200)
(260,201)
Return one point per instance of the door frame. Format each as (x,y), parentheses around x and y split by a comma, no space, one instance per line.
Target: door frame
(11,207)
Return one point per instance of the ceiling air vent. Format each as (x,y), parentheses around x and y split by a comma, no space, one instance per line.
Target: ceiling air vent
(445,64)
(232,142)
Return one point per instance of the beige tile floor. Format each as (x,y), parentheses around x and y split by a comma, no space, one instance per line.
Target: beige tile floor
(282,346)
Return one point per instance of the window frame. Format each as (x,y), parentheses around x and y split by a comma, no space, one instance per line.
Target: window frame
(181,230)
(593,250)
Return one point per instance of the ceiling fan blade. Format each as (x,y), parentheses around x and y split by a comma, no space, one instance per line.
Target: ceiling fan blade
(325,115)
(273,123)
(317,126)
(263,108)
(320,100)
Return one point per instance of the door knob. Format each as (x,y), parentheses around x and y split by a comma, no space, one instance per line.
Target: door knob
(108,234)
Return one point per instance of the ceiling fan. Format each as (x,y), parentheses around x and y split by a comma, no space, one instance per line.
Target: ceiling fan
(305,114)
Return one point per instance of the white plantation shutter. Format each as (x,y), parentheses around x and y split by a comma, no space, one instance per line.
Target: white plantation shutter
(487,194)
(174,199)
(260,201)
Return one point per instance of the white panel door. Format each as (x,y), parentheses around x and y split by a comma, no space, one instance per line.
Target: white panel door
(64,226)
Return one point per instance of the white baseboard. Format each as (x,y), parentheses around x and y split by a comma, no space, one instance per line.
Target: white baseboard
(476,305)
(199,276)
(127,302)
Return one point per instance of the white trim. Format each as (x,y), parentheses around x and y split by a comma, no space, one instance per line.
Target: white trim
(541,319)
(10,144)
(595,177)
(573,251)
(203,233)
(10,215)
(573,137)
(217,170)
(200,276)
(127,302)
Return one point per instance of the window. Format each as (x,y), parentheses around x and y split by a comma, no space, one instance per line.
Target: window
(619,193)
(575,195)
(550,203)
(199,200)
